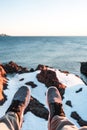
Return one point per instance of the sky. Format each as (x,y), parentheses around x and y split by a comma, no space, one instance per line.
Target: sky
(43,17)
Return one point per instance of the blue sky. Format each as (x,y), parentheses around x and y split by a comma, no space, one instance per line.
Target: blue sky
(43,17)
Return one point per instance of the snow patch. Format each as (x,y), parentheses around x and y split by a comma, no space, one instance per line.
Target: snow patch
(73,83)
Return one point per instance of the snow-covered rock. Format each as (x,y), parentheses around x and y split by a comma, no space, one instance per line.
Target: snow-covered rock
(73,91)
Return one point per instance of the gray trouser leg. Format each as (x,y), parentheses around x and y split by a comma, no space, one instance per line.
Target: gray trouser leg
(10,122)
(62,123)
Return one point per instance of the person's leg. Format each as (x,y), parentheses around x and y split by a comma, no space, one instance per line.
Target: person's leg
(13,118)
(83,128)
(57,119)
(10,121)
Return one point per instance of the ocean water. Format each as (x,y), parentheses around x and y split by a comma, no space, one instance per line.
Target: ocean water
(63,53)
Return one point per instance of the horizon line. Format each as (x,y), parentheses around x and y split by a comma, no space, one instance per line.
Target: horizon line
(4,34)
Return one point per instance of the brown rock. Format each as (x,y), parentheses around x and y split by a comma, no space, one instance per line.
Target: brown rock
(80,121)
(41,67)
(65,72)
(21,79)
(83,68)
(69,103)
(12,67)
(31,84)
(37,108)
(3,84)
(79,90)
(48,77)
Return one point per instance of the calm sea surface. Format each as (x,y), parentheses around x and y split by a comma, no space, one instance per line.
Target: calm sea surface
(64,53)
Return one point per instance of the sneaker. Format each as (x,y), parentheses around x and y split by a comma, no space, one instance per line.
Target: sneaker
(54,102)
(19,103)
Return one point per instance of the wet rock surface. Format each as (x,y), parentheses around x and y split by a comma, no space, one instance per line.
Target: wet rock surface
(83,68)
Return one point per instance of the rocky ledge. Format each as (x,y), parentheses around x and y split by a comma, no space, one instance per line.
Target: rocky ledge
(3,85)
(83,68)
(46,76)
(12,67)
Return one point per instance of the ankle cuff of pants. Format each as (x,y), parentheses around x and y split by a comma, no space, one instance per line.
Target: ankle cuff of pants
(11,121)
(58,122)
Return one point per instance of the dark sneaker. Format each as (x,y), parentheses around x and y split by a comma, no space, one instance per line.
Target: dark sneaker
(54,102)
(19,103)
